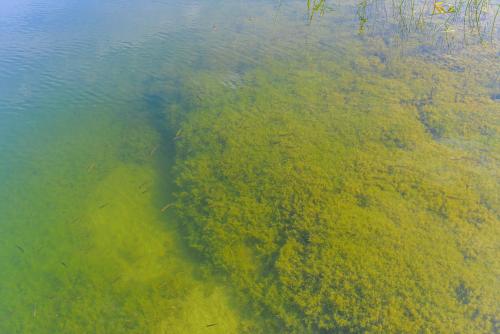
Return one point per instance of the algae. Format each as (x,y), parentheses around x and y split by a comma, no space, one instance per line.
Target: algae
(326,180)
(355,195)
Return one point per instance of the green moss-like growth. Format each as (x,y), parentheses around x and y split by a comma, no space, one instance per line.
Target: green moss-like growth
(352,196)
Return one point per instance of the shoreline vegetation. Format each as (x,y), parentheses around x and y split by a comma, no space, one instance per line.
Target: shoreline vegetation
(356,195)
(471,19)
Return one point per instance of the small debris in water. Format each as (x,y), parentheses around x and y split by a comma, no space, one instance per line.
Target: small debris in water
(166,207)
(20,248)
(34,310)
(116,280)
(103,205)
(153,150)
(91,167)
(177,138)
(211,325)
(64,264)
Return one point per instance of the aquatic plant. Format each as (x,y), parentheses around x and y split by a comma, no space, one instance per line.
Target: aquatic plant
(474,18)
(354,196)
(316,7)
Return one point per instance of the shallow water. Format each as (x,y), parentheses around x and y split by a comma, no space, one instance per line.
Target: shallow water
(116,118)
(85,247)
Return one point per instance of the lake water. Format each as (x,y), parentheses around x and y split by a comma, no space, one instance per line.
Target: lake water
(247,167)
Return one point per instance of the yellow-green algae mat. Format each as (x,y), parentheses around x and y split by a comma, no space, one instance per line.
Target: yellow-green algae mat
(351,196)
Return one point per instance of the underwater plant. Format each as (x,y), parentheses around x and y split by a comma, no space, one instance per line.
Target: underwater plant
(337,199)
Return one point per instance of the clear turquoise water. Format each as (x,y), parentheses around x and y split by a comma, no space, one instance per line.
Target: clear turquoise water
(85,247)
(85,152)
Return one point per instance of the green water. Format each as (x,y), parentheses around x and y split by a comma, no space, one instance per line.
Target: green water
(86,248)
(212,167)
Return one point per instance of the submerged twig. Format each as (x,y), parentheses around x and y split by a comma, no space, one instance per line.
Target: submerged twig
(166,207)
(115,280)
(91,167)
(494,22)
(153,150)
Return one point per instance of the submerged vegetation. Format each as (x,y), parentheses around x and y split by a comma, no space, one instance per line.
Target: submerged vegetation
(357,195)
(325,181)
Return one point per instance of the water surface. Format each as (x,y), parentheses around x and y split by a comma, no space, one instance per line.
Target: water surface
(214,167)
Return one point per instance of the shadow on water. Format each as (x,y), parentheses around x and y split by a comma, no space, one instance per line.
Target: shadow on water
(156,102)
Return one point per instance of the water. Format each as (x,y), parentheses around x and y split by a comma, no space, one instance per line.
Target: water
(213,167)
